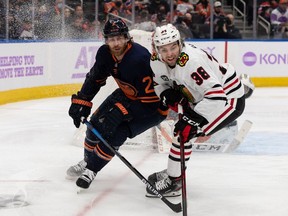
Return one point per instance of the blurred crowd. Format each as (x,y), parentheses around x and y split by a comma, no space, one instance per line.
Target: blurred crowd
(43,19)
(276,13)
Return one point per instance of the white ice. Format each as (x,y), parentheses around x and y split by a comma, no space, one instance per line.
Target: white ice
(36,150)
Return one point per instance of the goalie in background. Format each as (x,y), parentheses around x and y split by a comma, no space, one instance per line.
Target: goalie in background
(211,94)
(226,134)
(128,111)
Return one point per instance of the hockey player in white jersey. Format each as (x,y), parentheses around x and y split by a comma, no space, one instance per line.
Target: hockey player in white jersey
(211,94)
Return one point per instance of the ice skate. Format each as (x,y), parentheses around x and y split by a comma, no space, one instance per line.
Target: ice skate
(85,179)
(168,187)
(157,176)
(75,171)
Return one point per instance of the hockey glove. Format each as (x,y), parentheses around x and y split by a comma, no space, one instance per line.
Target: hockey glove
(171,98)
(189,123)
(79,108)
(111,120)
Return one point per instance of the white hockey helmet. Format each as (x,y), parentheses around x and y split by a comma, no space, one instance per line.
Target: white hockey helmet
(164,35)
(248,85)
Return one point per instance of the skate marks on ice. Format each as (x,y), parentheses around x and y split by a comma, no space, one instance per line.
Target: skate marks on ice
(13,201)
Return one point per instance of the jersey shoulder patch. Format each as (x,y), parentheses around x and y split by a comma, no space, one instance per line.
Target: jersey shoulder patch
(183,59)
(154,57)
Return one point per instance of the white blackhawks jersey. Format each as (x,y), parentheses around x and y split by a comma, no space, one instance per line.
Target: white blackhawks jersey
(210,87)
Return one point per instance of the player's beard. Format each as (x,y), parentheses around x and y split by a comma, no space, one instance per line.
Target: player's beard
(118,50)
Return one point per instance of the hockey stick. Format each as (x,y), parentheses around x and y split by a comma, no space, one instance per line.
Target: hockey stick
(239,138)
(175,207)
(183,167)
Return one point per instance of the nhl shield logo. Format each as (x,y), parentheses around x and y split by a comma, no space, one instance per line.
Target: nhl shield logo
(182,60)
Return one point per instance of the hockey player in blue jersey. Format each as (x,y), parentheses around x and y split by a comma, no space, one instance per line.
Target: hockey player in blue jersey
(128,111)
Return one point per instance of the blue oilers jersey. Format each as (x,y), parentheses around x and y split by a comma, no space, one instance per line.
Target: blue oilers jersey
(133,73)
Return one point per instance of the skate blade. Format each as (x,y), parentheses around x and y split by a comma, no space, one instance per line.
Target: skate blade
(71,178)
(172,194)
(80,190)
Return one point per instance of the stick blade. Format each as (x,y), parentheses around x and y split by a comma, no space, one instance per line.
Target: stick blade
(176,207)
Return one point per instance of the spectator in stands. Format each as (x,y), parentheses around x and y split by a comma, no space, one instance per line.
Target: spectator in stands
(21,11)
(279,18)
(94,30)
(217,13)
(249,11)
(184,6)
(266,7)
(68,16)
(120,9)
(58,7)
(54,24)
(220,29)
(2,28)
(14,25)
(108,5)
(232,31)
(2,9)
(117,7)
(154,6)
(42,24)
(185,31)
(188,19)
(225,28)
(162,14)
(144,22)
(27,31)
(2,20)
(79,14)
(203,8)
(77,30)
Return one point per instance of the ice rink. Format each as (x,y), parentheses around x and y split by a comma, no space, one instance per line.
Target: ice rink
(36,150)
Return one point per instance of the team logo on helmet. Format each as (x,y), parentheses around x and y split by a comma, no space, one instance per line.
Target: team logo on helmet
(182,60)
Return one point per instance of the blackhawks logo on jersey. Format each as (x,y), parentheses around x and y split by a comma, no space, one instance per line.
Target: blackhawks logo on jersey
(182,60)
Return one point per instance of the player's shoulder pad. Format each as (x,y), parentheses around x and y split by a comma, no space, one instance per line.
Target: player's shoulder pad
(139,53)
(103,50)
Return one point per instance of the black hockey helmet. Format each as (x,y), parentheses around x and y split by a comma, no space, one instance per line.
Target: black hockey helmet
(114,27)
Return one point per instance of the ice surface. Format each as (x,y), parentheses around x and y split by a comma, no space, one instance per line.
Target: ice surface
(36,150)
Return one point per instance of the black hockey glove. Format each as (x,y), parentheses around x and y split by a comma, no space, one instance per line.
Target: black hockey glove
(187,127)
(111,120)
(79,108)
(171,98)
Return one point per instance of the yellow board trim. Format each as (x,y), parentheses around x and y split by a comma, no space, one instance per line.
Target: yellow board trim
(270,81)
(38,93)
(69,89)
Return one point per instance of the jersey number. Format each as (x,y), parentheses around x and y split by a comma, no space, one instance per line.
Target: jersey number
(149,84)
(200,75)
